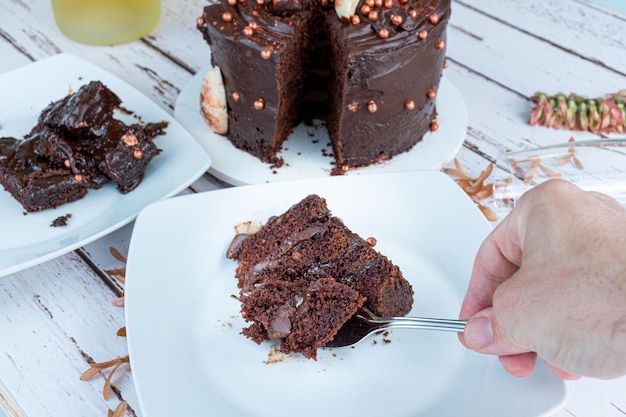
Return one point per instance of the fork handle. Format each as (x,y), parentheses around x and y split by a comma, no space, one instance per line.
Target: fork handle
(423,323)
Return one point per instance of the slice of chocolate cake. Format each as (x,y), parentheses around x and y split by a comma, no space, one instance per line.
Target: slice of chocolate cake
(304,274)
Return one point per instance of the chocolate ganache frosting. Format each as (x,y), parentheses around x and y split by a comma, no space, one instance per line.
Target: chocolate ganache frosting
(369,68)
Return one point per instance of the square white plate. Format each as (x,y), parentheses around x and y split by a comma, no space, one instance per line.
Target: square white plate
(27,240)
(189,359)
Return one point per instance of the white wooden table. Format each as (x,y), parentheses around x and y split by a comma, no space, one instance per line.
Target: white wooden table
(58,316)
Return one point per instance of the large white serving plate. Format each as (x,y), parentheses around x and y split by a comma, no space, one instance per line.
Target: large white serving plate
(29,239)
(189,359)
(306,151)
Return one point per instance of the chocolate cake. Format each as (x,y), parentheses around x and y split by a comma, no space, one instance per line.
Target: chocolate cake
(304,274)
(369,68)
(76,145)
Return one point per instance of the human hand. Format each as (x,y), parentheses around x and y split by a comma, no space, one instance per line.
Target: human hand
(550,281)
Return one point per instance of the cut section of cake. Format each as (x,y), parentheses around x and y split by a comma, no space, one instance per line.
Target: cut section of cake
(369,68)
(304,274)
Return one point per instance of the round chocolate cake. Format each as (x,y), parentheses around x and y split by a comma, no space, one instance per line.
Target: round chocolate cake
(369,68)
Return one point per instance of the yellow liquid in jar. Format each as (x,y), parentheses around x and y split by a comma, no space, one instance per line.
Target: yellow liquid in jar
(106,22)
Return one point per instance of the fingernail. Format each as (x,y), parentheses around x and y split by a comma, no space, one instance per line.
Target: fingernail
(478,332)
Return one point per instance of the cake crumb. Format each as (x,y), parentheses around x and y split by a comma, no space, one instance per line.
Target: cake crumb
(275,355)
(61,220)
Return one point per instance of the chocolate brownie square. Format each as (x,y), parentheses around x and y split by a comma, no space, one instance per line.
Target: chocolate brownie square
(34,181)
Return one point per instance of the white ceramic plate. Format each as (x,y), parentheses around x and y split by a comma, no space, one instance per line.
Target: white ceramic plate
(305,151)
(188,358)
(27,240)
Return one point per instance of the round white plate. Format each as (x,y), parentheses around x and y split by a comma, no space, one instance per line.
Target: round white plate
(306,151)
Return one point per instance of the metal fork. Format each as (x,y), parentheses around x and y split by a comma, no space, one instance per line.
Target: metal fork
(365,323)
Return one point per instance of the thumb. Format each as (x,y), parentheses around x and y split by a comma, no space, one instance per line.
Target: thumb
(483,334)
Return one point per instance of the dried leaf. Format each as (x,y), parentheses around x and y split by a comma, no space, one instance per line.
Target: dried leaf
(107,383)
(517,168)
(454,173)
(530,172)
(475,188)
(117,255)
(119,273)
(488,213)
(118,302)
(549,172)
(485,192)
(459,168)
(577,163)
(120,410)
(564,159)
(89,373)
(95,368)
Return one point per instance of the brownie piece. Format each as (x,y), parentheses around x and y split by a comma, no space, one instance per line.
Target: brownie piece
(61,149)
(76,145)
(34,181)
(87,110)
(91,141)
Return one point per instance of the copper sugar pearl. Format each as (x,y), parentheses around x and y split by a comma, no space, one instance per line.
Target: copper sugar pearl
(372,107)
(409,105)
(259,104)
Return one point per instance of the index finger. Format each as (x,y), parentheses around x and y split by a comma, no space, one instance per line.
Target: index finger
(498,258)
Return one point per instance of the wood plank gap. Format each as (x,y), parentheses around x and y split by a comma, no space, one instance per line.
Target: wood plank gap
(548,41)
(111,282)
(491,80)
(602,9)
(14,43)
(163,53)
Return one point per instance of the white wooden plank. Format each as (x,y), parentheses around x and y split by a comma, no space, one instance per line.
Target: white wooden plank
(137,62)
(526,63)
(60,311)
(52,317)
(12,58)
